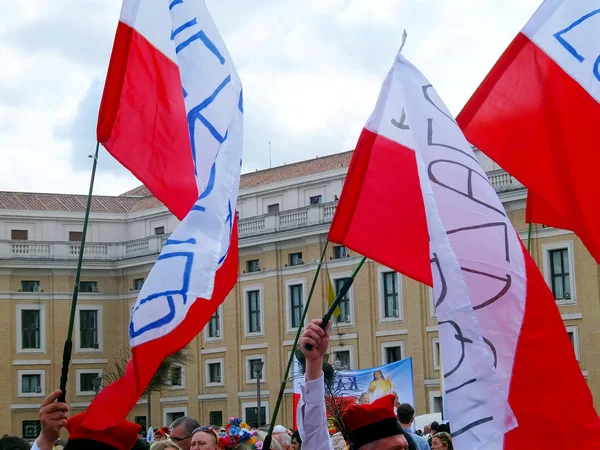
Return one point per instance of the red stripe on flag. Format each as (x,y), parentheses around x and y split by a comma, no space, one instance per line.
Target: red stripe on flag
(538,211)
(295,403)
(547,386)
(540,125)
(114,402)
(368,223)
(143,123)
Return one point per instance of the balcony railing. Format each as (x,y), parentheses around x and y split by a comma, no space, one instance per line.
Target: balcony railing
(152,245)
(98,251)
(503,181)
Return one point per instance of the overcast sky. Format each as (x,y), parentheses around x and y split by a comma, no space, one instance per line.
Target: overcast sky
(311,71)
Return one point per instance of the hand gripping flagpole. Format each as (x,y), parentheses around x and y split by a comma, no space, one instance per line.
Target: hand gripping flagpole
(326,319)
(267,441)
(68,348)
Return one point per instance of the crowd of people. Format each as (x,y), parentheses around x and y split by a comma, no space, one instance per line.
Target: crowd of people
(380,425)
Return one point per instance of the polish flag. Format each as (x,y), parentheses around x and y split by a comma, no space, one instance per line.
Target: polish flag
(509,365)
(172,114)
(537,112)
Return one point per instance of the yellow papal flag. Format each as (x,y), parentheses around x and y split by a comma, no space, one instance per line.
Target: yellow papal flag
(331,294)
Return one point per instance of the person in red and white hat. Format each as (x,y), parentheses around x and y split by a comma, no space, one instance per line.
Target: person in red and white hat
(53,417)
(371,427)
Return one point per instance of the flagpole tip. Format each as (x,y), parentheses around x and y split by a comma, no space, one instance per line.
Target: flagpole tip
(404,35)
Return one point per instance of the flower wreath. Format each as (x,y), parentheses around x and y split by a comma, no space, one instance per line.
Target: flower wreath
(238,432)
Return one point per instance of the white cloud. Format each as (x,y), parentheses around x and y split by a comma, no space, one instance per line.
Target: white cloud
(311,72)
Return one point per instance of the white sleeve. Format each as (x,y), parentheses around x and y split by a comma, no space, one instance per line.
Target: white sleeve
(35,446)
(312,416)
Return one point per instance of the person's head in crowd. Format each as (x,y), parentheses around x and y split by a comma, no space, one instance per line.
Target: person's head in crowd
(427,429)
(141,444)
(445,427)
(13,443)
(434,426)
(442,441)
(296,441)
(205,438)
(283,438)
(375,426)
(406,414)
(165,445)
(122,436)
(261,435)
(160,435)
(182,431)
(419,432)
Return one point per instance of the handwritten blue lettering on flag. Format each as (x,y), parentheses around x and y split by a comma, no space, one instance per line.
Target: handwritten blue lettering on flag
(197,267)
(186,268)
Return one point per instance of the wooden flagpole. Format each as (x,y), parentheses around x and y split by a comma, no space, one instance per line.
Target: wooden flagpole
(68,348)
(291,359)
(326,318)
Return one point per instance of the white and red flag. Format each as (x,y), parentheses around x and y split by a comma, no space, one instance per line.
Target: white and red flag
(508,361)
(537,112)
(172,113)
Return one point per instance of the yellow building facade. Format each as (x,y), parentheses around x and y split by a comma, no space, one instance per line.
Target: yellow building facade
(284,216)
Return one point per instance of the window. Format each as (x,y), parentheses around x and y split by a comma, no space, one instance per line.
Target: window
(296,304)
(31,328)
(31,429)
(316,199)
(339,251)
(438,404)
(88,381)
(344,303)
(177,380)
(31,383)
(559,274)
(251,416)
(436,353)
(341,359)
(88,286)
(88,329)
(214,372)
(253,300)
(170,415)
(138,283)
(75,236)
(393,354)
(30,286)
(215,418)
(574,338)
(296,259)
(252,364)
(141,421)
(432,302)
(214,325)
(390,295)
(252,266)
(159,230)
(274,208)
(19,235)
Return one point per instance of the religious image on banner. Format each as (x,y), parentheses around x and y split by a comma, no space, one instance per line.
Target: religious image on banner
(365,385)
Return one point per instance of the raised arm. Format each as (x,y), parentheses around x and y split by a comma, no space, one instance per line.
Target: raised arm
(312,413)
